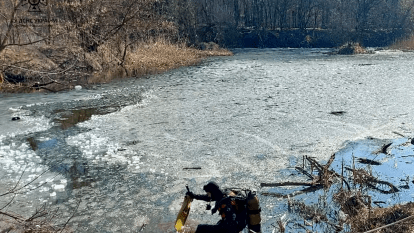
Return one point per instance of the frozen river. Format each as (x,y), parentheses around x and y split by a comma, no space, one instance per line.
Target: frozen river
(126,150)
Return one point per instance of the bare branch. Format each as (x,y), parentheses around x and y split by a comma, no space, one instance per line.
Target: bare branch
(3,16)
(20,219)
(14,196)
(34,42)
(41,212)
(9,26)
(73,215)
(15,190)
(41,72)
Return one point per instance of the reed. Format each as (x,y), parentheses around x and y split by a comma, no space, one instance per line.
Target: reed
(405,44)
(63,67)
(160,56)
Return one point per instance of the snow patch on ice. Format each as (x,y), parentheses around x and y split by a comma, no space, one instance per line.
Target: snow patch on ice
(58,187)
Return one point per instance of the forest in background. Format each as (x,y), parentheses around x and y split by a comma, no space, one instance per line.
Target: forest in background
(299,23)
(45,41)
(92,23)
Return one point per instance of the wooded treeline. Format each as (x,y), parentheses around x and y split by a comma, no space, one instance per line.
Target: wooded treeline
(346,19)
(94,22)
(356,15)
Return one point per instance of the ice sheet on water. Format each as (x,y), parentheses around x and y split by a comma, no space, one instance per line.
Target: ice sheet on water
(389,51)
(92,145)
(18,157)
(23,169)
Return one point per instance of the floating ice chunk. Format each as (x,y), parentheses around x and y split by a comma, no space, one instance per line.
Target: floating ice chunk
(58,187)
(53,194)
(14,109)
(44,189)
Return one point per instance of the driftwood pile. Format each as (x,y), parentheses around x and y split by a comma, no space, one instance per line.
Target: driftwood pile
(325,177)
(358,212)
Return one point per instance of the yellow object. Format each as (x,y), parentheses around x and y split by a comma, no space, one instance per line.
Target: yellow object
(183,214)
(178,225)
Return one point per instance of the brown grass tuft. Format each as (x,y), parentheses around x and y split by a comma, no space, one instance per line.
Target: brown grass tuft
(352,203)
(147,58)
(404,44)
(379,217)
(351,48)
(362,217)
(162,55)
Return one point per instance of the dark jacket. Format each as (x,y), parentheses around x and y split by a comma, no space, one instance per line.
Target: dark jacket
(231,220)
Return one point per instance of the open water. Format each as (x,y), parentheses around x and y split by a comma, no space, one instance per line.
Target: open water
(126,150)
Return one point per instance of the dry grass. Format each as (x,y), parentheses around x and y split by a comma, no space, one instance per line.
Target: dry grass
(352,203)
(162,55)
(378,217)
(149,58)
(71,66)
(38,65)
(362,217)
(404,44)
(351,48)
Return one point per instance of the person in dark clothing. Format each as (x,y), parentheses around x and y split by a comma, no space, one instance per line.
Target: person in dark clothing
(232,221)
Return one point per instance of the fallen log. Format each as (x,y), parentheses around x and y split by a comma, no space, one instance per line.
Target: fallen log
(192,168)
(288,183)
(305,190)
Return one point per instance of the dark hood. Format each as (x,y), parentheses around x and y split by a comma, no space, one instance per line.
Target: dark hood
(214,189)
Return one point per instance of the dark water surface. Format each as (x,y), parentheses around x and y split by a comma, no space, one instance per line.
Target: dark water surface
(124,148)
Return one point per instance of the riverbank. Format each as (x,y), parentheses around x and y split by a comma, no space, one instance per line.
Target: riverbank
(58,68)
(364,186)
(404,44)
